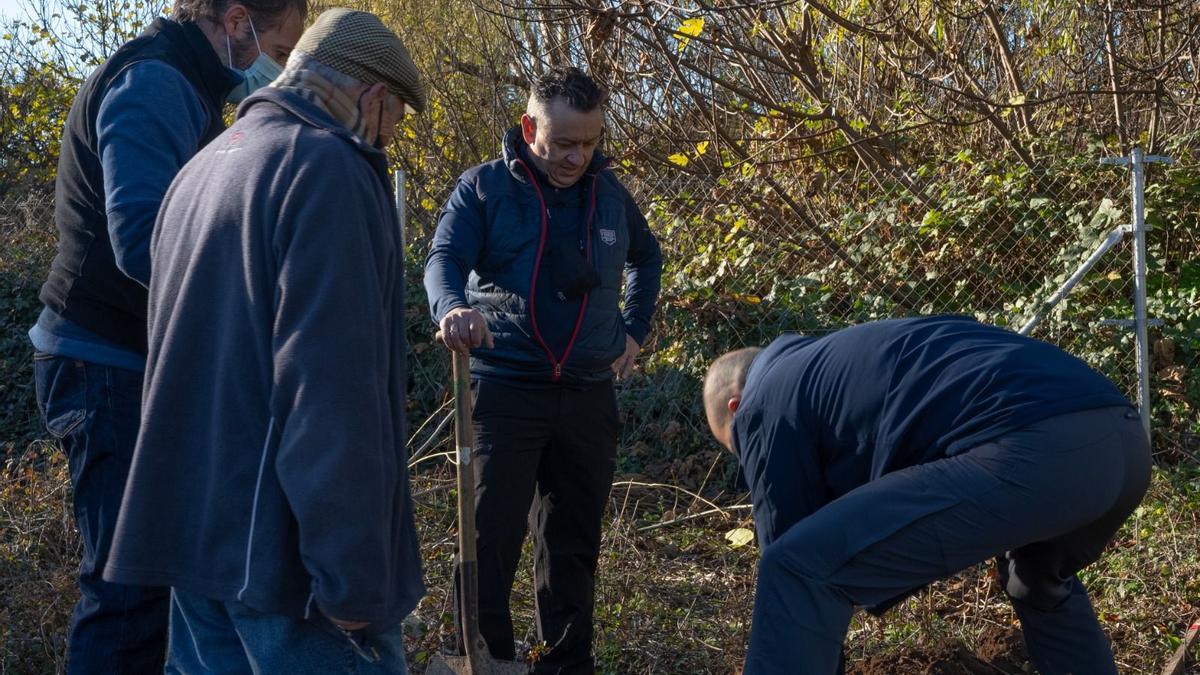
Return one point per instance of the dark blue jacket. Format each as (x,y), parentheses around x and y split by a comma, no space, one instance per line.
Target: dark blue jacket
(91,283)
(820,417)
(270,468)
(150,122)
(490,249)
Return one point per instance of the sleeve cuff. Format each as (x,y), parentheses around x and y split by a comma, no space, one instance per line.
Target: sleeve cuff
(638,330)
(446,307)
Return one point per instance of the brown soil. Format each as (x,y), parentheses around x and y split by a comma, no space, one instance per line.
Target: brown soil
(999,652)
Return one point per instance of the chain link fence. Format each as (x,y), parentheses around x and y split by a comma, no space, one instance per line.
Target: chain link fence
(750,254)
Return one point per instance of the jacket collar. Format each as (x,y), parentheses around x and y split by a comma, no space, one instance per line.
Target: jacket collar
(314,115)
(211,76)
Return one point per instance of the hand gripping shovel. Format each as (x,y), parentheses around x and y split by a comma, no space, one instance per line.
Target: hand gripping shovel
(477,660)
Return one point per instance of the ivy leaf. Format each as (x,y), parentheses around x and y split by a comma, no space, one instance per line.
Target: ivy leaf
(677,158)
(701,147)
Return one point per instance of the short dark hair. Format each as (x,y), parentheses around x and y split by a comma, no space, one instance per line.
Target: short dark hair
(268,12)
(571,84)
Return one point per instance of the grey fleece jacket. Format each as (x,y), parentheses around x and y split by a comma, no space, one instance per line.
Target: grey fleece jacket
(271,467)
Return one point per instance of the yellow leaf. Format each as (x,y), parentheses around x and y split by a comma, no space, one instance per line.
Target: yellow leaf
(1113,276)
(701,147)
(1017,100)
(689,29)
(679,159)
(428,204)
(692,27)
(739,537)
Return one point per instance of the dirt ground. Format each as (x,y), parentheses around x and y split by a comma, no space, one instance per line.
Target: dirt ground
(1000,652)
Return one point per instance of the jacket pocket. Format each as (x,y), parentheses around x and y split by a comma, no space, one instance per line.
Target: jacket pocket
(61,386)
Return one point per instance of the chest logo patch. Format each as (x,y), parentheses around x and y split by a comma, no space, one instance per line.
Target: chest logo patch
(609,237)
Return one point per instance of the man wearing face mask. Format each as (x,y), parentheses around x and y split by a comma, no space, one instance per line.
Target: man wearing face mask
(135,121)
(526,271)
(269,487)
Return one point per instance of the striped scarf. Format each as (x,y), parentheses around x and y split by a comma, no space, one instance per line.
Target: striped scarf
(316,89)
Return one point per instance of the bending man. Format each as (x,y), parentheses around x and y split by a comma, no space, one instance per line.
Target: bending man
(888,455)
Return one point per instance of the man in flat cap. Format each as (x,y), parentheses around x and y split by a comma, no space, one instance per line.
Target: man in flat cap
(269,486)
(133,124)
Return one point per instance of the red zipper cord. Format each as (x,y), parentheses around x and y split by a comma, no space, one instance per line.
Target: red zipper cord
(588,257)
(537,263)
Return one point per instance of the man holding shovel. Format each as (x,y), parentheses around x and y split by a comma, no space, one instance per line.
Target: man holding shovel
(526,271)
(888,455)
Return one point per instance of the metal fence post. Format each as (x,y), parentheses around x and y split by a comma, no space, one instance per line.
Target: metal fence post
(1137,161)
(401,211)
(1141,335)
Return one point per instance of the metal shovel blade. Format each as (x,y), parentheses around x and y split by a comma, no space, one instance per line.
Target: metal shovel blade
(460,665)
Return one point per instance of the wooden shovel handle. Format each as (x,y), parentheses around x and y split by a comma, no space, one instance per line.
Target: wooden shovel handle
(468,562)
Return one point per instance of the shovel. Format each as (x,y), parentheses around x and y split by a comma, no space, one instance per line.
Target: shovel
(477,660)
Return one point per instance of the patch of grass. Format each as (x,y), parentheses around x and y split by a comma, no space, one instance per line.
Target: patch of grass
(39,556)
(676,599)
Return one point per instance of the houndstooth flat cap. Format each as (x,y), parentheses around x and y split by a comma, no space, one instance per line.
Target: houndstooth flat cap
(359,45)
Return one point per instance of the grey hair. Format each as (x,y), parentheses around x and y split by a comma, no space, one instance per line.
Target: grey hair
(299,61)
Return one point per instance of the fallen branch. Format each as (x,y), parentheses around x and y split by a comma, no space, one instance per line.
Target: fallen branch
(632,484)
(415,458)
(723,511)
(437,488)
(450,455)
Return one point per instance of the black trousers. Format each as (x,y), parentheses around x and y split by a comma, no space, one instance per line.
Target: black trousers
(545,461)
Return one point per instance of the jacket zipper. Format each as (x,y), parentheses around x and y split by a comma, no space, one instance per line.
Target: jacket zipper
(557,363)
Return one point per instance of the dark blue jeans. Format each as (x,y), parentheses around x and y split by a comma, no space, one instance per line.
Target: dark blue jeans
(93,411)
(210,637)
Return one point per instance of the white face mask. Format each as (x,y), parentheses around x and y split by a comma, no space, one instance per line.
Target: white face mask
(262,72)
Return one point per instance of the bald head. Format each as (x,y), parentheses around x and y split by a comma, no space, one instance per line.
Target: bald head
(723,385)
